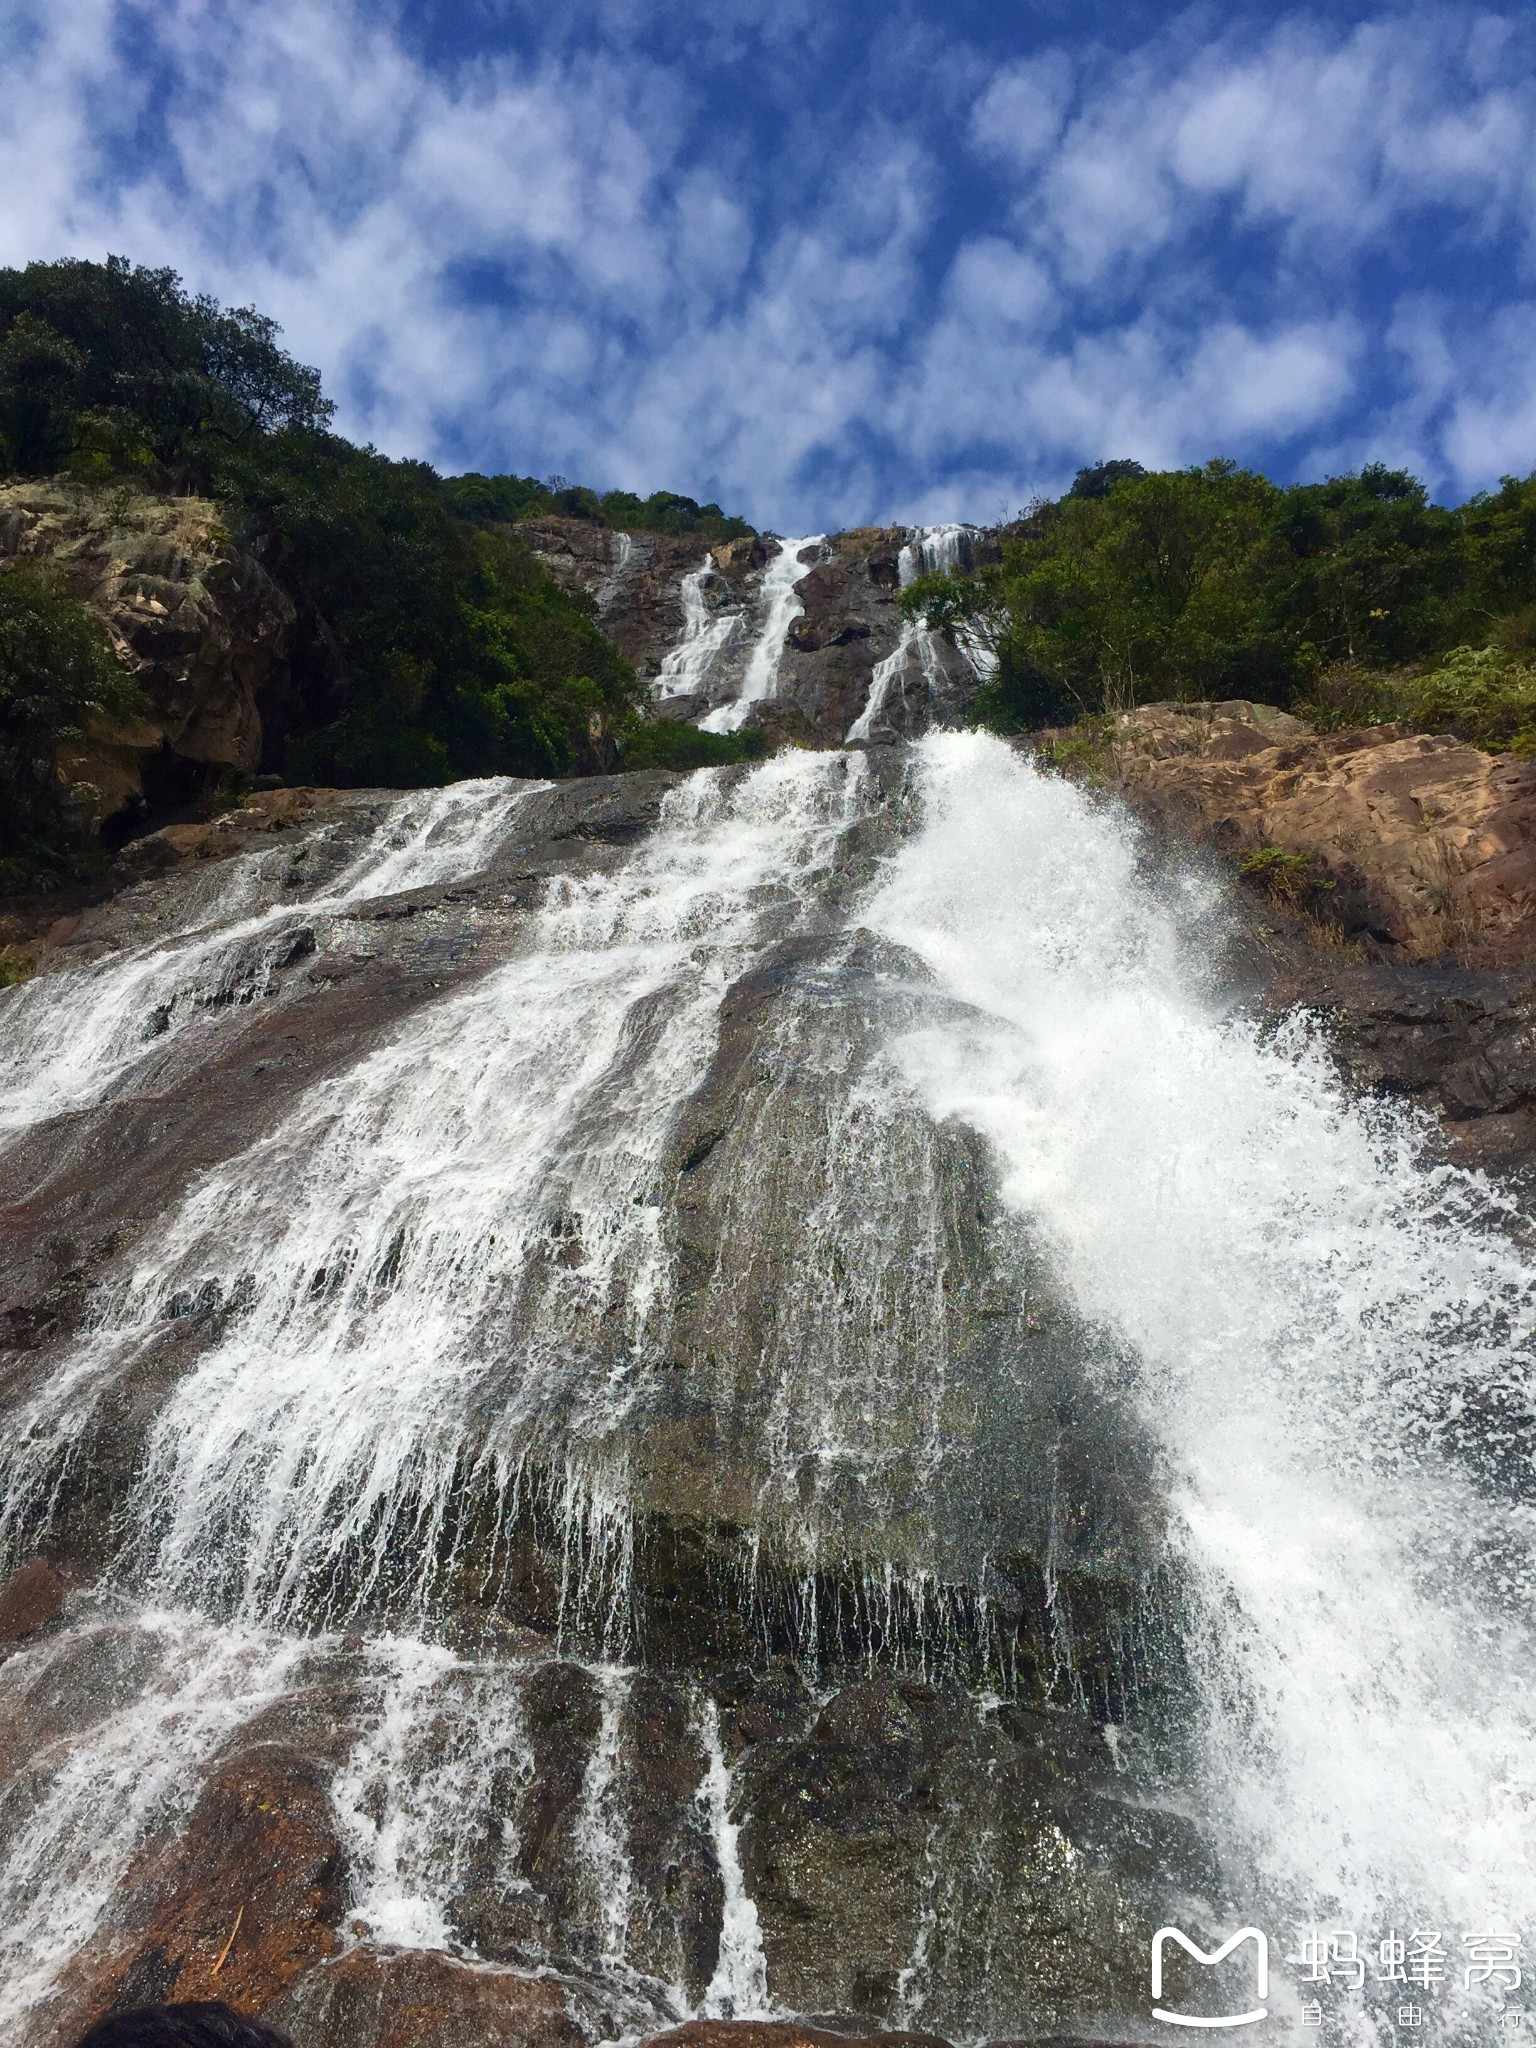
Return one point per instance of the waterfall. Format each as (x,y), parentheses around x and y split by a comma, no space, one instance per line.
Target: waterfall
(146,1712)
(411,1797)
(1333,1343)
(739,1988)
(601,1827)
(495,1168)
(707,632)
(933,550)
(860,1179)
(780,608)
(68,1039)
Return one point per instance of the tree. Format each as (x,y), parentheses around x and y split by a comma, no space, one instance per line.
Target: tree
(1371,571)
(1151,587)
(57,673)
(107,366)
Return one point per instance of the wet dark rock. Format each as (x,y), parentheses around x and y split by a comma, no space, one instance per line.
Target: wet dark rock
(993,1867)
(634,579)
(237,1902)
(31,1599)
(376,1998)
(781,2034)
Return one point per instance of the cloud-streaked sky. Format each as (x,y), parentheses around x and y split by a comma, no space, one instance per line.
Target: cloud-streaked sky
(826,262)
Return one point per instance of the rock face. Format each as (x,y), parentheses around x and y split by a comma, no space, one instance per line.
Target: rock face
(704,625)
(1401,910)
(206,632)
(201,627)
(791,1688)
(1422,844)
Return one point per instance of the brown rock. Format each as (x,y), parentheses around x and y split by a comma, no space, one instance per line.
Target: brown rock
(235,1905)
(201,627)
(30,1599)
(1423,844)
(374,1998)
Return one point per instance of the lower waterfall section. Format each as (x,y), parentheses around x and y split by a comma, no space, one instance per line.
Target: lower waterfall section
(768,1448)
(1331,1336)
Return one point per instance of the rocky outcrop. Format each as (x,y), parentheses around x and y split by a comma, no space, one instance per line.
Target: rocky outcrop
(373,1998)
(824,659)
(797,1722)
(200,626)
(1393,877)
(633,579)
(904,1845)
(1421,844)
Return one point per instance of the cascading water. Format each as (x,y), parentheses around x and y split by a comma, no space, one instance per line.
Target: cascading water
(780,608)
(67,1039)
(818,1170)
(707,632)
(1316,1318)
(932,551)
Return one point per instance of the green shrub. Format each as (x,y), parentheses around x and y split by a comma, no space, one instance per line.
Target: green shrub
(669,743)
(56,674)
(1483,694)
(1285,876)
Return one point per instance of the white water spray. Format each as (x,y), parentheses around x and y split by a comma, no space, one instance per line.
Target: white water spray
(72,1819)
(1314,1313)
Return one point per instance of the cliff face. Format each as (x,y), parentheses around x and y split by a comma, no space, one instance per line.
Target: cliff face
(201,627)
(800,637)
(718,1641)
(1397,876)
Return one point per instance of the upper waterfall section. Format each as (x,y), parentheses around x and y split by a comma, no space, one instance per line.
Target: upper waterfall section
(801,637)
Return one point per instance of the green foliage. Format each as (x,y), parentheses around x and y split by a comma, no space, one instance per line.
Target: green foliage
(56,674)
(1486,695)
(1369,571)
(1482,694)
(671,743)
(106,367)
(439,649)
(1285,876)
(431,643)
(1150,588)
(1213,582)
(506,499)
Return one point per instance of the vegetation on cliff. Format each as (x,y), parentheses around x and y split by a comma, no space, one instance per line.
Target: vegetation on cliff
(1214,582)
(431,643)
(56,674)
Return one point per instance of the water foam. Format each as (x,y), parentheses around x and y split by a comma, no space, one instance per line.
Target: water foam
(1319,1317)
(70,1039)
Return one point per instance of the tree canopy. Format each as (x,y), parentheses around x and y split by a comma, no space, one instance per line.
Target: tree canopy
(1212,581)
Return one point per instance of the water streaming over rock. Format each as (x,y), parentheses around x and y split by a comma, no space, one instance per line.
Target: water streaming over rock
(826,1430)
(780,606)
(707,631)
(933,550)
(68,1039)
(1332,1341)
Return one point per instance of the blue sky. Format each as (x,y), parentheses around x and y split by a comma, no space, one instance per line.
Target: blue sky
(826,263)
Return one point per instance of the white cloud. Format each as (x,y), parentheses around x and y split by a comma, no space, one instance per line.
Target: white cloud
(550,260)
